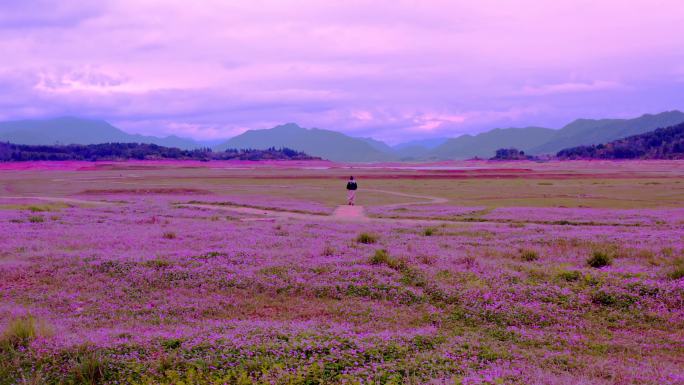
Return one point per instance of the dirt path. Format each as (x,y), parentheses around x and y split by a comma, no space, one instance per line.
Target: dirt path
(343,213)
(426,199)
(350,213)
(60,199)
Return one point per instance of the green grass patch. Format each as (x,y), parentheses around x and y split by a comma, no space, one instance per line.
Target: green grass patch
(429,231)
(366,238)
(570,275)
(157,263)
(677,270)
(604,298)
(36,219)
(599,259)
(22,330)
(529,255)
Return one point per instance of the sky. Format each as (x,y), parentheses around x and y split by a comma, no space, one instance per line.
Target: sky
(395,70)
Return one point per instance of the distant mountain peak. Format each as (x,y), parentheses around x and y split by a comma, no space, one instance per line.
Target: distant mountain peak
(76,130)
(288,127)
(331,145)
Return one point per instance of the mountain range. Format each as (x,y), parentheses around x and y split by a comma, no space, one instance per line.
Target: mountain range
(327,144)
(337,146)
(539,140)
(663,143)
(70,130)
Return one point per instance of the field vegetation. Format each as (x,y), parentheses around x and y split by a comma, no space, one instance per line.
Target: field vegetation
(160,274)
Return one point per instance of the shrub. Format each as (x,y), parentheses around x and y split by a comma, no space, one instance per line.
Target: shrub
(171,343)
(603,298)
(614,300)
(275,271)
(366,238)
(210,255)
(20,331)
(427,259)
(570,275)
(599,259)
(328,251)
(677,272)
(430,231)
(90,369)
(157,263)
(38,209)
(529,255)
(36,219)
(169,235)
(380,257)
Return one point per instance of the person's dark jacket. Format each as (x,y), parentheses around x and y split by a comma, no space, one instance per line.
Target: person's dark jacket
(351,185)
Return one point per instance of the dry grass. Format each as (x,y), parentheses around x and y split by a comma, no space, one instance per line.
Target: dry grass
(22,330)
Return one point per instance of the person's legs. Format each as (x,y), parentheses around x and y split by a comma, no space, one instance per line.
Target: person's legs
(352,196)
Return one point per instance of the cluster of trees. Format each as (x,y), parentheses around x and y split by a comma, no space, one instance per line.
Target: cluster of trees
(511,154)
(663,143)
(140,151)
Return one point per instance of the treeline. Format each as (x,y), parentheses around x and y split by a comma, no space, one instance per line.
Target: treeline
(663,143)
(138,151)
(511,154)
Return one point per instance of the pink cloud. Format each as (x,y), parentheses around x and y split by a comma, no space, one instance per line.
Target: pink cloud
(389,69)
(431,122)
(564,88)
(364,116)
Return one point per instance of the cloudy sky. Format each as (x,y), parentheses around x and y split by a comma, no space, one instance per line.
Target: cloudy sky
(392,69)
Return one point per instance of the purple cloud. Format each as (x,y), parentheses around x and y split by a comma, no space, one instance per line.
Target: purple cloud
(394,70)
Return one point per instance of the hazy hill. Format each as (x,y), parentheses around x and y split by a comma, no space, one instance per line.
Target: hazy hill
(588,132)
(663,143)
(484,145)
(416,152)
(538,140)
(416,149)
(340,147)
(411,150)
(69,130)
(327,144)
(378,145)
(428,143)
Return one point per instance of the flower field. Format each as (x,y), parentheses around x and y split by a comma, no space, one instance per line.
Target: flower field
(149,288)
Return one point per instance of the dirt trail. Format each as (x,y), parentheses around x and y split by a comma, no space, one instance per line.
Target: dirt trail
(342,213)
(59,199)
(265,213)
(426,199)
(351,213)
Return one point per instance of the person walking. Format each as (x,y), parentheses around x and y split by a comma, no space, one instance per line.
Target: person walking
(351,189)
